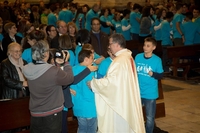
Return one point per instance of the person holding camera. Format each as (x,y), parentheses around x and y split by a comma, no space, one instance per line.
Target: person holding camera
(45,86)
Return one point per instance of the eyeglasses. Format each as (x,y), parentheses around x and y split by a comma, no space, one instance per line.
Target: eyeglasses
(110,43)
(52,30)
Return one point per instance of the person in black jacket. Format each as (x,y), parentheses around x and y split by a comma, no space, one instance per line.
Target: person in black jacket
(10,37)
(13,81)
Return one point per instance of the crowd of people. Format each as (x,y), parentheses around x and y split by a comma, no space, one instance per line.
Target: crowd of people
(71,56)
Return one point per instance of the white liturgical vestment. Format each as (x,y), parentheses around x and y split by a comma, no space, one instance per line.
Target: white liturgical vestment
(117,97)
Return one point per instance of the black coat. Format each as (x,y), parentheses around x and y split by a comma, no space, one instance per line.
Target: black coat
(11,84)
(6,41)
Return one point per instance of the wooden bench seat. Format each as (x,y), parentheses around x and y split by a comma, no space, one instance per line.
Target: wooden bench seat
(15,113)
(191,53)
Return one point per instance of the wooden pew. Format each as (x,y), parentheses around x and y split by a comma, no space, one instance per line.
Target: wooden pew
(14,114)
(177,52)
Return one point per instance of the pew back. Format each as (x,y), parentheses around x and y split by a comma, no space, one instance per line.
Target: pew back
(14,114)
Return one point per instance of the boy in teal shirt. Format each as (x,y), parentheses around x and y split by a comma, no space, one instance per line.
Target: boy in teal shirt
(84,100)
(149,69)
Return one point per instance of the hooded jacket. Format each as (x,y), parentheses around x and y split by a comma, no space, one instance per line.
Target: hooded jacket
(45,85)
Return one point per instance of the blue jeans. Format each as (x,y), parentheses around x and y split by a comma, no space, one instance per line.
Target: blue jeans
(87,125)
(150,110)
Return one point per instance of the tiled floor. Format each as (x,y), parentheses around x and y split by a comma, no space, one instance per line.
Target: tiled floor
(182,108)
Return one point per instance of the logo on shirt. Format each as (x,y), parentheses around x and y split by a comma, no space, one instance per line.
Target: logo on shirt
(143,69)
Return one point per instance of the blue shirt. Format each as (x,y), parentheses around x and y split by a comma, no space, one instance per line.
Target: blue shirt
(80,21)
(147,84)
(89,16)
(27,55)
(72,58)
(135,25)
(105,29)
(126,33)
(84,100)
(65,15)
(52,19)
(165,33)
(189,31)
(197,36)
(117,25)
(103,67)
(158,33)
(20,35)
(178,18)
(1,37)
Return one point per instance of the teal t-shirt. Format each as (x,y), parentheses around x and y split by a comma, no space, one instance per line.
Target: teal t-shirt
(66,16)
(90,14)
(27,55)
(105,29)
(103,67)
(165,33)
(178,18)
(84,100)
(158,33)
(189,31)
(117,25)
(197,36)
(135,25)
(80,21)
(147,84)
(126,34)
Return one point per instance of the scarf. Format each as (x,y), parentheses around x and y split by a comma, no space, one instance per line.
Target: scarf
(18,66)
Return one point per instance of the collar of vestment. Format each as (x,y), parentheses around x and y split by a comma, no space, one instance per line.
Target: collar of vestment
(120,51)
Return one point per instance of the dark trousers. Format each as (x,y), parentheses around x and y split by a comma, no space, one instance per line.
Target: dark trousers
(64,121)
(47,124)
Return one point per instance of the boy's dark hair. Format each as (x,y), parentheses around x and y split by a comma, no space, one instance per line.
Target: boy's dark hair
(48,28)
(196,8)
(126,12)
(136,6)
(179,6)
(150,39)
(189,15)
(87,47)
(83,54)
(118,38)
(37,35)
(83,36)
(169,15)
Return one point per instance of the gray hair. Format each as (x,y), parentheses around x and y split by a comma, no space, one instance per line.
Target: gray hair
(39,49)
(118,38)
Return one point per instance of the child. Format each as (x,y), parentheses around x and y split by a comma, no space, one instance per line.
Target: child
(66,44)
(166,39)
(126,25)
(190,29)
(149,68)
(58,58)
(84,101)
(97,58)
(104,65)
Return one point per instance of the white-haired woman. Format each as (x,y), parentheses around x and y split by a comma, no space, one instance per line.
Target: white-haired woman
(13,80)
